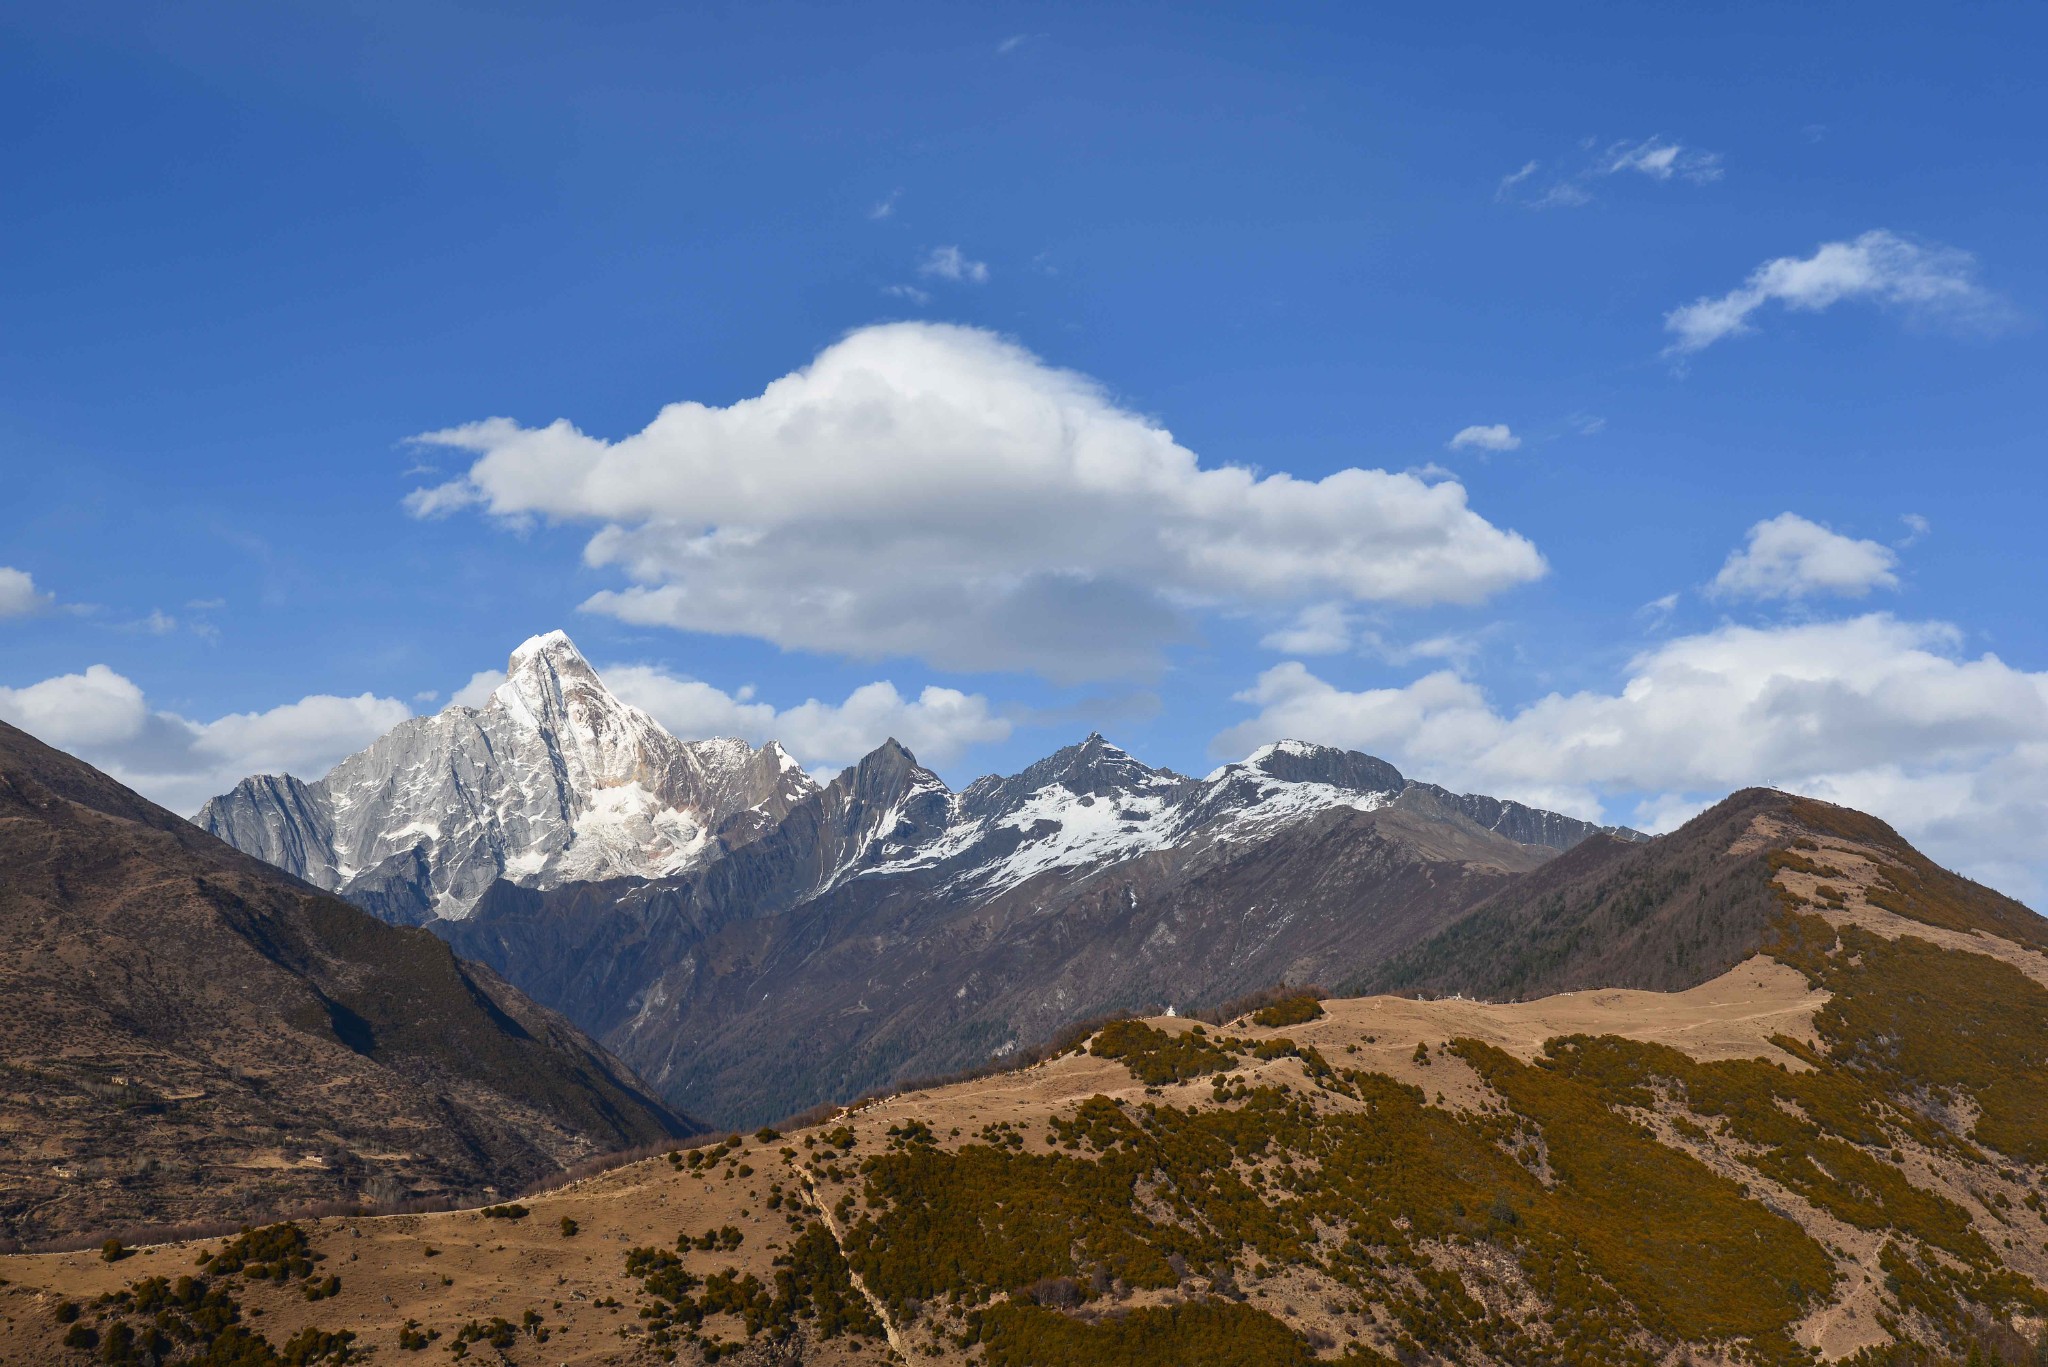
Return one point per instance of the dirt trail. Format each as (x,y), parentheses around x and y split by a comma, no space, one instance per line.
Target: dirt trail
(812,1200)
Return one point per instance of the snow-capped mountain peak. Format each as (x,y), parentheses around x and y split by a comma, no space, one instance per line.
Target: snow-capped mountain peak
(557,780)
(553,780)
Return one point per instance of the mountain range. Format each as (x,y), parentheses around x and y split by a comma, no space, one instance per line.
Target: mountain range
(1824,1138)
(753,942)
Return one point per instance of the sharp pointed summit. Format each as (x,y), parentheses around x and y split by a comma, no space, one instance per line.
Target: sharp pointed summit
(553,780)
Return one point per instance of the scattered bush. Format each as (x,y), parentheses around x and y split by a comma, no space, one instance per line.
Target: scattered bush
(1157,1057)
(1295,1010)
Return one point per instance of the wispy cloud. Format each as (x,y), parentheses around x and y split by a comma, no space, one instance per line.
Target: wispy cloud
(1508,182)
(1926,280)
(1662,160)
(1015,41)
(950,263)
(886,206)
(1570,184)
(910,292)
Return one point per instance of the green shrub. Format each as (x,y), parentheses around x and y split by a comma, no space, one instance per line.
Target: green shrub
(1157,1057)
(1213,1335)
(1295,1010)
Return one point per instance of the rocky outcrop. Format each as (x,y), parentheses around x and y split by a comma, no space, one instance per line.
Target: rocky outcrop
(553,780)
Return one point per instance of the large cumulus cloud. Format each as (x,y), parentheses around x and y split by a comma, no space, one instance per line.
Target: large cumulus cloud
(939,492)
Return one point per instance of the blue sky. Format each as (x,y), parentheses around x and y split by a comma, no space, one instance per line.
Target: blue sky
(252,250)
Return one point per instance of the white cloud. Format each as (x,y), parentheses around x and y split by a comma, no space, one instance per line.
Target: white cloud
(1788,557)
(939,492)
(18,595)
(910,292)
(1926,281)
(950,263)
(1883,714)
(1015,41)
(1661,160)
(1318,629)
(886,206)
(1494,438)
(478,690)
(1565,194)
(1332,629)
(938,725)
(1513,178)
(73,710)
(1916,527)
(104,719)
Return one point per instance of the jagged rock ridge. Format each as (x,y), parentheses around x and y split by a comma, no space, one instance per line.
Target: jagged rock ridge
(553,780)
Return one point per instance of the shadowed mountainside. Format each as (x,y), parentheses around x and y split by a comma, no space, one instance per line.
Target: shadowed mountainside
(188,1034)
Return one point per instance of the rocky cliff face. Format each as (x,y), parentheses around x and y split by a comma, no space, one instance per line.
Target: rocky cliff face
(554,780)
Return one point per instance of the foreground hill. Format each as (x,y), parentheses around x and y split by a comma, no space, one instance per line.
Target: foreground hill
(1836,1149)
(188,1034)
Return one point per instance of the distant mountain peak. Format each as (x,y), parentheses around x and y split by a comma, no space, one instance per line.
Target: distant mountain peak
(555,644)
(546,675)
(555,779)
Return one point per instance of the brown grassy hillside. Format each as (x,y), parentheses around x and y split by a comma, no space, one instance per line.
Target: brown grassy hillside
(1833,1151)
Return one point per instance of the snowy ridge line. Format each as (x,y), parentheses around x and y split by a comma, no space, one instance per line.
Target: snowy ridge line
(555,780)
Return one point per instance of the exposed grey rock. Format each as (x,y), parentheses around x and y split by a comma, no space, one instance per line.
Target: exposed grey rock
(553,780)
